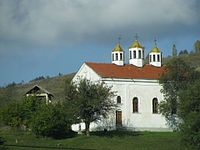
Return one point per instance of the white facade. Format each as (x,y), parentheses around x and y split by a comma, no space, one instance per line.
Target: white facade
(145,90)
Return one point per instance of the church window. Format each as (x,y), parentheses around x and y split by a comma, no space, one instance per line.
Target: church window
(116,56)
(135,105)
(130,54)
(158,57)
(113,57)
(150,58)
(140,54)
(121,57)
(154,58)
(134,54)
(118,99)
(155,105)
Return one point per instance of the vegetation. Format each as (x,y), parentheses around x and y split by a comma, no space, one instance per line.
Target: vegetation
(2,146)
(118,140)
(190,114)
(43,119)
(51,121)
(16,92)
(85,102)
(174,51)
(181,107)
(197,46)
(92,101)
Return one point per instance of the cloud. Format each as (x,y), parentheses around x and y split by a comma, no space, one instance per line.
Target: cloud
(53,22)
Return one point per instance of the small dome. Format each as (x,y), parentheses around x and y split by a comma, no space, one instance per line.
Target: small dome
(155,50)
(136,44)
(117,48)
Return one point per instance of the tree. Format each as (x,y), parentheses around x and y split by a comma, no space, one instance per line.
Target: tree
(174,51)
(197,46)
(92,101)
(190,115)
(17,114)
(176,78)
(51,121)
(181,107)
(12,115)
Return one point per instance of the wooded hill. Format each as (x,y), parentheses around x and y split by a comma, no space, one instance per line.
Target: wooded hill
(56,85)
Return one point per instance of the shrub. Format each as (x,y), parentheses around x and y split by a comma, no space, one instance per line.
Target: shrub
(51,121)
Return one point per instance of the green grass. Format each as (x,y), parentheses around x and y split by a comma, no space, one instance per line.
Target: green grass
(113,140)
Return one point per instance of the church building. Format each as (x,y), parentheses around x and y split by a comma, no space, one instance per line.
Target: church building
(138,92)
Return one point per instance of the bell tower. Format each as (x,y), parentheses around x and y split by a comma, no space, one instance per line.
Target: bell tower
(118,54)
(155,56)
(136,53)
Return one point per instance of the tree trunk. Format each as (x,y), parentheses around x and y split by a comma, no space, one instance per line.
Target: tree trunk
(87,128)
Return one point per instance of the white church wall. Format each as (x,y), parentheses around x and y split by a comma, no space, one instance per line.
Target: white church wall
(145,91)
(127,89)
(86,72)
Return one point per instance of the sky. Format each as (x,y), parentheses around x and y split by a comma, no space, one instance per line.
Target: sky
(48,37)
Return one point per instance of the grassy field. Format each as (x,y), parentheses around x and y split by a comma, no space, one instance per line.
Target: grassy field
(113,140)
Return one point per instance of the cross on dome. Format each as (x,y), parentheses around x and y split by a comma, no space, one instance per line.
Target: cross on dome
(155,42)
(136,37)
(119,39)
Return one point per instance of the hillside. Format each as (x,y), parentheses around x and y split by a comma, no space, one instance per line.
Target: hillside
(16,92)
(192,59)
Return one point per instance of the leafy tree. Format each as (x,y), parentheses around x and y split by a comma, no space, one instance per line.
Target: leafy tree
(176,78)
(92,101)
(12,115)
(30,105)
(52,121)
(181,107)
(183,52)
(197,46)
(190,115)
(174,51)
(17,114)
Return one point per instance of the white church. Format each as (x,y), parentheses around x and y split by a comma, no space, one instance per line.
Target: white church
(138,92)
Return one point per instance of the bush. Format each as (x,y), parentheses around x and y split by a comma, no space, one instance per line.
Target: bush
(51,121)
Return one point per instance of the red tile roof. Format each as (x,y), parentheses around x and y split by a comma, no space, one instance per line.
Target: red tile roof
(127,71)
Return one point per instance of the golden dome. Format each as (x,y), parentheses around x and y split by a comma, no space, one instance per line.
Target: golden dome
(117,48)
(155,50)
(136,44)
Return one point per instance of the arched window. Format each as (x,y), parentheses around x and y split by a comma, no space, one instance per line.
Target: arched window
(118,99)
(134,54)
(158,57)
(142,53)
(113,57)
(116,56)
(150,58)
(154,58)
(130,54)
(139,54)
(135,105)
(121,57)
(155,105)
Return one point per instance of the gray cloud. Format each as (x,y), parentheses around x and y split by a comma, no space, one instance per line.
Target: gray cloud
(52,22)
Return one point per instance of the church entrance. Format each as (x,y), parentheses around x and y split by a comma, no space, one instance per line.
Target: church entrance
(118,118)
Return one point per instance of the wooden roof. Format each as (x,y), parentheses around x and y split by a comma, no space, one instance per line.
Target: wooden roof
(38,89)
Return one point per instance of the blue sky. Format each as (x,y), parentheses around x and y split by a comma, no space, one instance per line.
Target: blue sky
(45,37)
